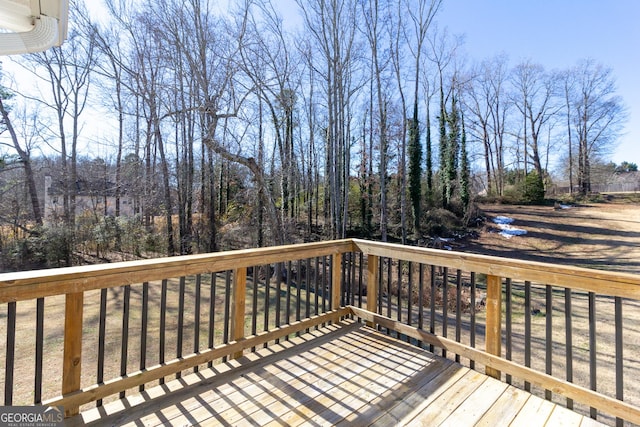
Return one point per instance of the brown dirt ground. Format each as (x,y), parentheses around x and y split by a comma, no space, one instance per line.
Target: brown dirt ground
(603,236)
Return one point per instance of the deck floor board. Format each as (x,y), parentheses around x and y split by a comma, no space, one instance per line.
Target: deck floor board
(338,375)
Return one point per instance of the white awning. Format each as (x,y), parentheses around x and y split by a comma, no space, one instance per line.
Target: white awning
(32,25)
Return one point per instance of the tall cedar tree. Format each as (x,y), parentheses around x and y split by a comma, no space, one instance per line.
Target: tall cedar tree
(415,169)
(429,156)
(451,152)
(444,147)
(465,195)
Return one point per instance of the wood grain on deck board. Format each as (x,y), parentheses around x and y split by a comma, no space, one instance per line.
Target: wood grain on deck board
(345,374)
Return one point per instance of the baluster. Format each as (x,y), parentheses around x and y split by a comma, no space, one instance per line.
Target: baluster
(458,309)
(568,340)
(10,353)
(508,325)
(527,330)
(212,313)
(37,397)
(549,336)
(102,333)
(196,318)
(445,305)
(619,355)
(472,334)
(372,285)
(163,324)
(124,348)
(181,290)
(144,329)
(593,412)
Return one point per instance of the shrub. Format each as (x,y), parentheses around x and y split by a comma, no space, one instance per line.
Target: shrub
(132,235)
(440,221)
(58,245)
(533,189)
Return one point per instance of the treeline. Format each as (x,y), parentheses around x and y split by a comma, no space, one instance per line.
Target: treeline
(364,118)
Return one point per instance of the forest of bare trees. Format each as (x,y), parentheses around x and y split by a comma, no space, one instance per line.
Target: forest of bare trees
(244,124)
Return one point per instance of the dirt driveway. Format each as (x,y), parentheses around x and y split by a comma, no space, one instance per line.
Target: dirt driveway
(603,236)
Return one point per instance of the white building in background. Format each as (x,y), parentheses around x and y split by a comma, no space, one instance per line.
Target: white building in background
(95,198)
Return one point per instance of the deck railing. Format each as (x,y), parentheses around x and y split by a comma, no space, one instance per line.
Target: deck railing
(87,334)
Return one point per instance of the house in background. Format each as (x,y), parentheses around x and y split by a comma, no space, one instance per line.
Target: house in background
(603,181)
(96,198)
(619,182)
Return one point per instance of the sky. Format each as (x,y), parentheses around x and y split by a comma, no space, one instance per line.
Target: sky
(557,34)
(554,33)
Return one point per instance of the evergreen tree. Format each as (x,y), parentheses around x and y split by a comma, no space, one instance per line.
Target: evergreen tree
(415,170)
(429,156)
(451,153)
(444,150)
(465,195)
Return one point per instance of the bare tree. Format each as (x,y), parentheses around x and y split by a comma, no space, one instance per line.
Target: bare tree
(486,99)
(113,70)
(67,70)
(567,78)
(332,26)
(148,64)
(310,114)
(225,102)
(442,53)
(598,116)
(535,99)
(398,38)
(421,16)
(23,151)
(266,46)
(373,22)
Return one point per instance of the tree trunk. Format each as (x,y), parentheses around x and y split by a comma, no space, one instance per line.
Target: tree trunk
(168,204)
(25,158)
(250,163)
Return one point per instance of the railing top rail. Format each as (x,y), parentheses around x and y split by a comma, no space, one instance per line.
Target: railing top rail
(585,279)
(40,283)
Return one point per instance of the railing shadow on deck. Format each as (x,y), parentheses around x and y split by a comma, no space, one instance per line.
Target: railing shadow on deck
(87,335)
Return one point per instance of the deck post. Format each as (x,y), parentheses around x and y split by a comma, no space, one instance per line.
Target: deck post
(336,279)
(238,307)
(372,285)
(493,339)
(72,356)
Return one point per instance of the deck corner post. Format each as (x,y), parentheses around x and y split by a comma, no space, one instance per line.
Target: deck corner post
(72,355)
(372,285)
(336,280)
(238,307)
(493,337)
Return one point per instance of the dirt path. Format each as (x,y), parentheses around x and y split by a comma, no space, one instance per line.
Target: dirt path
(604,236)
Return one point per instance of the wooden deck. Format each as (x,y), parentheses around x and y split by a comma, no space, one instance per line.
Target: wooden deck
(345,374)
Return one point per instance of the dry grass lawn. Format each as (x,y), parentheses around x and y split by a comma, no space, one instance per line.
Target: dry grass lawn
(603,236)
